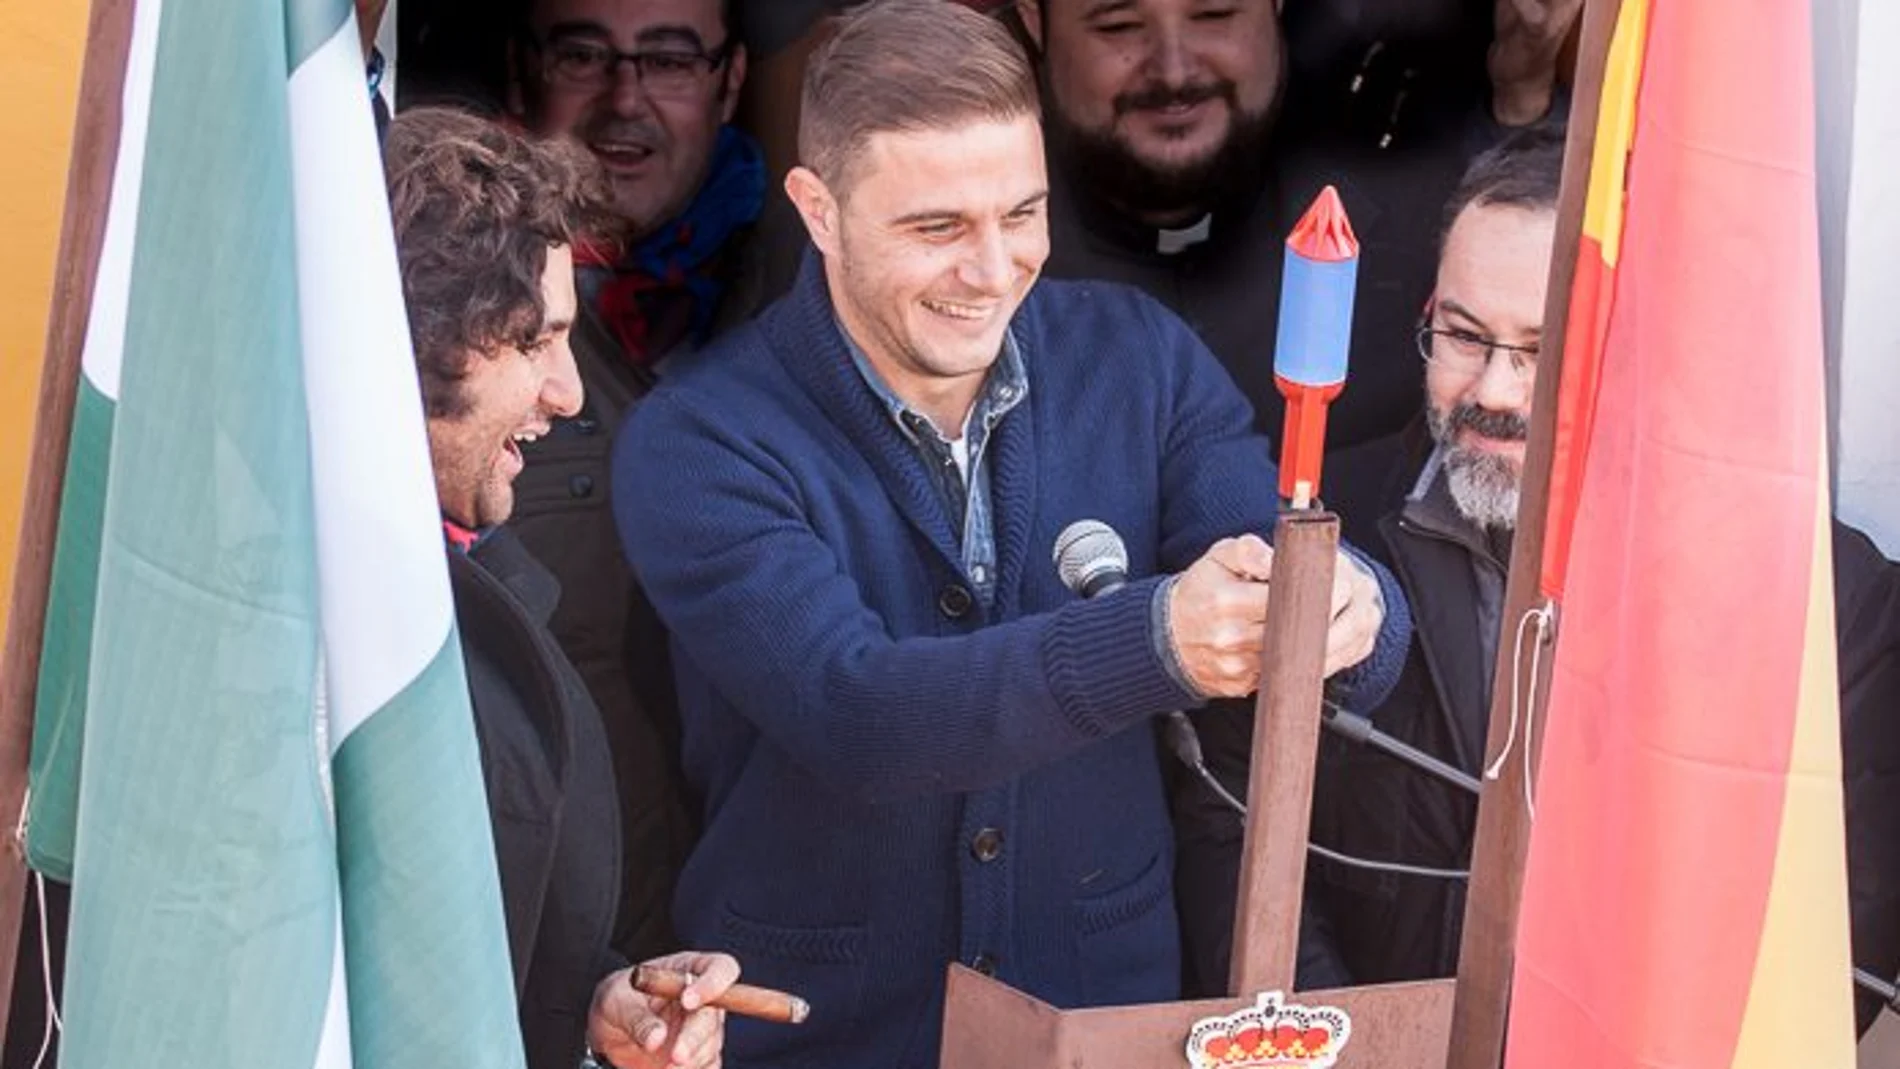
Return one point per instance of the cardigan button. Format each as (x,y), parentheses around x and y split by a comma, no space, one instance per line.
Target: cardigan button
(580,486)
(955,601)
(987,846)
(984,963)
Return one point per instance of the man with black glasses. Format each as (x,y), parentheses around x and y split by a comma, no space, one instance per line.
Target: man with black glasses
(1447,536)
(649,88)
(1449,540)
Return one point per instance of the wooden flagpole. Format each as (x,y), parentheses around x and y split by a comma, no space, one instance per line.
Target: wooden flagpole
(1487,953)
(88,191)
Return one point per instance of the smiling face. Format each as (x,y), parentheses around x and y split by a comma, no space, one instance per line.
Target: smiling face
(930,246)
(654,135)
(1492,279)
(1162,100)
(512,393)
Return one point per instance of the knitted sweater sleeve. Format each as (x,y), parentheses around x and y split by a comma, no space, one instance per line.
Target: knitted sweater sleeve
(1218,480)
(759,603)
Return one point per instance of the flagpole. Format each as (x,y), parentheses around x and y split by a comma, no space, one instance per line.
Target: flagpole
(1487,953)
(82,230)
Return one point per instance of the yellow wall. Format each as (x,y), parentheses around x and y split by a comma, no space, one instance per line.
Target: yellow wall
(41,45)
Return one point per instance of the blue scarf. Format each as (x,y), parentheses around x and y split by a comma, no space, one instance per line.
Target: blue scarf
(678,264)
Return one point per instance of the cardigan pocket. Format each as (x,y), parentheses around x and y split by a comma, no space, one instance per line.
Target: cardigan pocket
(824,966)
(1128,940)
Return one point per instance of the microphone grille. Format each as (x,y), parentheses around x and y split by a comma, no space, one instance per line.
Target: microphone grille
(1085,549)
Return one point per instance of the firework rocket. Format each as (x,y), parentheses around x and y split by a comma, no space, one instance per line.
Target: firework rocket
(1315,333)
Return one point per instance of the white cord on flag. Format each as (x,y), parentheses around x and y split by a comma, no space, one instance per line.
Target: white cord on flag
(19,826)
(53,1022)
(321,735)
(1544,617)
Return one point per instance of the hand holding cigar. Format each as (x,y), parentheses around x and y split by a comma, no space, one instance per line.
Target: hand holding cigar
(684,1028)
(762,1003)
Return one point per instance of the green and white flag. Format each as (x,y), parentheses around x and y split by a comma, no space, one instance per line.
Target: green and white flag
(254,755)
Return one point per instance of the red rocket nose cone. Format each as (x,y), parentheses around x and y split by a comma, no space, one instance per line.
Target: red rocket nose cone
(1324,232)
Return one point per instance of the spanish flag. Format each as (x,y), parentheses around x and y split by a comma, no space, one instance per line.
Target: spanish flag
(1685,901)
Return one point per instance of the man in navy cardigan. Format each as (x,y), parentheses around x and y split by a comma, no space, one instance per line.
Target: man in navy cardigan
(913,745)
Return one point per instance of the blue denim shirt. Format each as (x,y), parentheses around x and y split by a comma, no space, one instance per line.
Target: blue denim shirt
(969,497)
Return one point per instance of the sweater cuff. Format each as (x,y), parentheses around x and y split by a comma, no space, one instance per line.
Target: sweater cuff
(1366,684)
(1161,615)
(1102,663)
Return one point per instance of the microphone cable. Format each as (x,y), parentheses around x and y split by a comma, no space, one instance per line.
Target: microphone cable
(1185,743)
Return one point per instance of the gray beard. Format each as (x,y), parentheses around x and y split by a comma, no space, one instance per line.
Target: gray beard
(1484,487)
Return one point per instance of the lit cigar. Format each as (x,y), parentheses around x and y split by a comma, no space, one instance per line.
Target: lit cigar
(760,1002)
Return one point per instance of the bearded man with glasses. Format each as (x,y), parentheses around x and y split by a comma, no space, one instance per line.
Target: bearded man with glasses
(649,87)
(1448,540)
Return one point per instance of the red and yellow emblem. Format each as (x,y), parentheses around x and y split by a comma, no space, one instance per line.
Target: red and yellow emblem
(1271,1034)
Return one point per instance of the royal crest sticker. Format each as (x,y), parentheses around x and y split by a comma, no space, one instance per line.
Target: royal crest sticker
(1271,1034)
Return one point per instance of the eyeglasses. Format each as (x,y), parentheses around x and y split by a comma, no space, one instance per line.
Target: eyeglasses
(585,64)
(1464,353)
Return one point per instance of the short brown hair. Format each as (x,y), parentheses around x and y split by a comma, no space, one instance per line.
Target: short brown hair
(476,207)
(906,66)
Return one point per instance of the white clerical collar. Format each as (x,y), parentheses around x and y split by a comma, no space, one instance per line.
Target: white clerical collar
(1170,242)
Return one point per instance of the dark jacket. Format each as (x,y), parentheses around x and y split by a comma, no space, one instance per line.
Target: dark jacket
(1384,926)
(550,794)
(608,630)
(1867,619)
(564,515)
(896,775)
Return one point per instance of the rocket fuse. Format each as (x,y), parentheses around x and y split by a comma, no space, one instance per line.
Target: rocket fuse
(1315,332)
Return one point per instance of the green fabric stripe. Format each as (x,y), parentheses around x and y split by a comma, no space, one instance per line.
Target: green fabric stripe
(204,911)
(309,25)
(421,899)
(60,709)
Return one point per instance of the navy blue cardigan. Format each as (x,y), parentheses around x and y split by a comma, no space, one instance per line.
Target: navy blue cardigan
(894,777)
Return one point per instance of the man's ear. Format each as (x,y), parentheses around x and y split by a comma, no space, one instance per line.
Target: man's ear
(816,206)
(735,81)
(1030,11)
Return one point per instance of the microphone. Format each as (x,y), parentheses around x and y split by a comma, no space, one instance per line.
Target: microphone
(1091,558)
(1092,561)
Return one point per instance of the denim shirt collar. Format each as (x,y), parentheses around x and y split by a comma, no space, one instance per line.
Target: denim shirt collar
(1004,389)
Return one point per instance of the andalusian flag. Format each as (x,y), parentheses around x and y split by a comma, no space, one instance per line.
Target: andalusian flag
(1685,905)
(255,747)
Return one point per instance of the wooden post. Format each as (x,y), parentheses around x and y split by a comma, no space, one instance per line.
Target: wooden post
(88,190)
(1488,951)
(1285,747)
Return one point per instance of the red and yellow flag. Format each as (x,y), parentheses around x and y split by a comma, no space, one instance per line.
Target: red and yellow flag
(1685,903)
